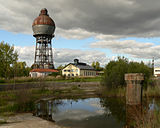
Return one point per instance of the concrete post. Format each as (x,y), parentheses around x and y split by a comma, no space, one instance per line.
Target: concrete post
(134,88)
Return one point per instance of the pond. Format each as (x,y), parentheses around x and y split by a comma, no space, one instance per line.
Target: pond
(86,113)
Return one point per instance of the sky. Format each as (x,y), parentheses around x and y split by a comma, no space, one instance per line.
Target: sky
(89,30)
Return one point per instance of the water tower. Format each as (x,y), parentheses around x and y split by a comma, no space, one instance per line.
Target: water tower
(43,30)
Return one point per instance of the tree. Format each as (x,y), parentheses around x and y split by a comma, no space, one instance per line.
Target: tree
(21,69)
(8,57)
(93,65)
(115,70)
(60,67)
(96,66)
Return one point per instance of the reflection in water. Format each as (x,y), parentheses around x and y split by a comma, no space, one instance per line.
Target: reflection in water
(140,115)
(116,106)
(94,112)
(153,106)
(87,113)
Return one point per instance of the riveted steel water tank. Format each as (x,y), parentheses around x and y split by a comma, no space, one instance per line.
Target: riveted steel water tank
(43,24)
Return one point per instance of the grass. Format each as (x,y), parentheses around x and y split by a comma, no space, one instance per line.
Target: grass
(3,122)
(116,92)
(152,92)
(20,100)
(143,118)
(121,92)
(49,78)
(15,101)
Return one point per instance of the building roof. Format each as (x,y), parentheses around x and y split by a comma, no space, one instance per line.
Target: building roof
(83,67)
(44,70)
(80,65)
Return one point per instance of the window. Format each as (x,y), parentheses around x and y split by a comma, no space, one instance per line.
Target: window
(72,74)
(157,70)
(64,70)
(76,70)
(76,74)
(69,70)
(72,70)
(68,74)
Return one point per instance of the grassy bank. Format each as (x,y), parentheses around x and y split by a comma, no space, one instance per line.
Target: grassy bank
(149,121)
(144,118)
(20,101)
(50,78)
(152,92)
(121,92)
(116,92)
(17,101)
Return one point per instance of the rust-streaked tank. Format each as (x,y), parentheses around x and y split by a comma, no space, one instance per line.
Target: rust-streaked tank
(43,24)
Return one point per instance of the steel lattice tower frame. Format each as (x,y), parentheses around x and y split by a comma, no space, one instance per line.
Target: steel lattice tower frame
(43,28)
(43,52)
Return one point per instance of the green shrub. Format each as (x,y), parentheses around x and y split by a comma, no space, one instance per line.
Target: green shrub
(54,74)
(2,80)
(115,70)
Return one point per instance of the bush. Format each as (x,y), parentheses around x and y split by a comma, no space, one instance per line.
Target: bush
(115,70)
(2,80)
(54,74)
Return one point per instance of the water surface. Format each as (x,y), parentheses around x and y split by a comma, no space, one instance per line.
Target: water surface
(87,113)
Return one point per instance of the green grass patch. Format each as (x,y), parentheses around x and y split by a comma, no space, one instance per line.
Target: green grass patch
(49,78)
(116,92)
(3,122)
(152,91)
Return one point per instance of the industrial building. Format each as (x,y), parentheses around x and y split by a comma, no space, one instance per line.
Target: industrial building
(78,69)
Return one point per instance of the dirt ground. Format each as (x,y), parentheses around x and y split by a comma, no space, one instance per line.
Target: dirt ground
(28,121)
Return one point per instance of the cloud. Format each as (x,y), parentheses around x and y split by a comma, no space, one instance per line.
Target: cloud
(107,21)
(25,54)
(63,56)
(120,18)
(130,47)
(76,114)
(74,33)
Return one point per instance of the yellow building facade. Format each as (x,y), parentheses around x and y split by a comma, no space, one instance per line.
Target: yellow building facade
(71,70)
(78,69)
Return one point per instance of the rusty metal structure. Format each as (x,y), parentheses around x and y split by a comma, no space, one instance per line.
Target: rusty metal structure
(43,30)
(134,88)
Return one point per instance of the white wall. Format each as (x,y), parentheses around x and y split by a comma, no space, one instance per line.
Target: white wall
(39,74)
(156,71)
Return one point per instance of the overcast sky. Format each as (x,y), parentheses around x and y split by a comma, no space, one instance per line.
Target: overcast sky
(90,30)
